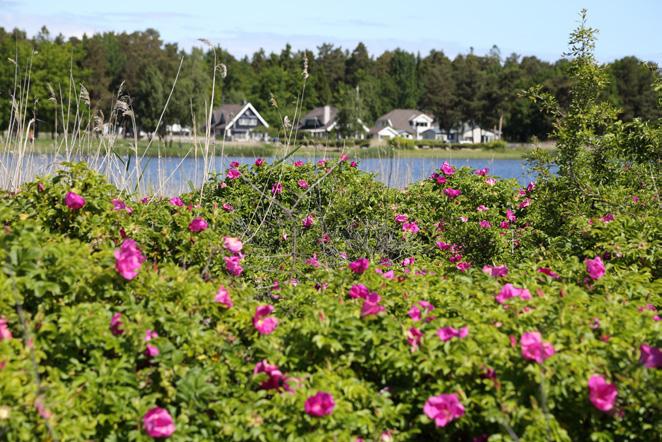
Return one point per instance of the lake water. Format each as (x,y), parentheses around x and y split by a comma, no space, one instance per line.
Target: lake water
(177,175)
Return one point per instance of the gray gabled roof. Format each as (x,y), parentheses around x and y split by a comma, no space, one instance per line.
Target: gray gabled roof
(317,115)
(399,118)
(224,114)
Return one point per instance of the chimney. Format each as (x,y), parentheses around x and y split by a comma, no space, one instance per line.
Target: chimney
(327,115)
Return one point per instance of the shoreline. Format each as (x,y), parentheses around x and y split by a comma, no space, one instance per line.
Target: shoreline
(187,149)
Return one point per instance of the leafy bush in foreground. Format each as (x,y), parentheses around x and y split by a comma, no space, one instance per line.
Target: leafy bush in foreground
(310,302)
(107,349)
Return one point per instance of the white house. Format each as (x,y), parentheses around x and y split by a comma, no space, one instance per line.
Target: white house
(177,129)
(475,135)
(407,123)
(238,122)
(384,134)
(464,134)
(323,120)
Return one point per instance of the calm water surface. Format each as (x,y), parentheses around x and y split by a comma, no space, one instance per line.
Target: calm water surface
(180,174)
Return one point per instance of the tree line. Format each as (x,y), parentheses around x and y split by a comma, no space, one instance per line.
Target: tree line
(482,90)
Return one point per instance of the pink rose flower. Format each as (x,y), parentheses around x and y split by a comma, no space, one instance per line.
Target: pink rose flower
(371,305)
(595,268)
(259,162)
(534,349)
(601,393)
(312,261)
(44,412)
(410,227)
(549,272)
(607,218)
(482,208)
(116,324)
(277,188)
(262,322)
(120,205)
(275,381)
(158,423)
(176,201)
(223,297)
(401,218)
(525,203)
(443,409)
(496,271)
(455,258)
(228,207)
(448,333)
(198,225)
(359,266)
(485,224)
(128,259)
(414,337)
(490,181)
(151,350)
(5,332)
(233,174)
(447,169)
(481,172)
(358,291)
(322,404)
(510,216)
(416,311)
(298,163)
(443,245)
(303,184)
(510,291)
(651,356)
(386,275)
(74,201)
(233,265)
(463,266)
(233,245)
(308,222)
(452,193)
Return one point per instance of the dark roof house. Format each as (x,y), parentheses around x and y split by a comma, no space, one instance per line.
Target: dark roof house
(237,122)
(320,119)
(324,119)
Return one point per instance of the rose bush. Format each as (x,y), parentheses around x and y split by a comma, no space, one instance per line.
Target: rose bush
(310,302)
(381,342)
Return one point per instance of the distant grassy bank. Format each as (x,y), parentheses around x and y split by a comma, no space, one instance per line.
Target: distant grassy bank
(161,148)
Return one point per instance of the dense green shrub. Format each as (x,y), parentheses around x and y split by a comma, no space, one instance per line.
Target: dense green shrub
(234,308)
(60,289)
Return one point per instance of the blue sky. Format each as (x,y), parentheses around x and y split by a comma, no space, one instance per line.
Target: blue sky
(530,27)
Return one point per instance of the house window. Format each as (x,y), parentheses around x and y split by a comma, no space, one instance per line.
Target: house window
(247,121)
